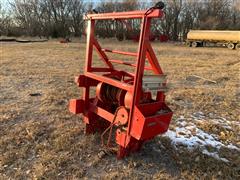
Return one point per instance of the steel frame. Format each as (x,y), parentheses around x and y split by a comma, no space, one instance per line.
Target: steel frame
(141,124)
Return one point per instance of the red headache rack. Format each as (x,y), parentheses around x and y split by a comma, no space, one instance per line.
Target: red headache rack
(124,101)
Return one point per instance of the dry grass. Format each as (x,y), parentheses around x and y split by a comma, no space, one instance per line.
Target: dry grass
(40,139)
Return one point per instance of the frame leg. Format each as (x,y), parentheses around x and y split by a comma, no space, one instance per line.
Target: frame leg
(133,146)
(122,152)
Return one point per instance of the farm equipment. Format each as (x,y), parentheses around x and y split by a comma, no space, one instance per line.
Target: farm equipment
(123,101)
(199,38)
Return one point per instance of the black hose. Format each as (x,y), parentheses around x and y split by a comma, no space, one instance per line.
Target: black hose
(158,5)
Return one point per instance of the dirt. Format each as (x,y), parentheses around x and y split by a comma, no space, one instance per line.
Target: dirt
(40,139)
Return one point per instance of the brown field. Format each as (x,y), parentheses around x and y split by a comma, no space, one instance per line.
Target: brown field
(40,139)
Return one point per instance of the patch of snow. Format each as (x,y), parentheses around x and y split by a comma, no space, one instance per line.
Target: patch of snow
(214,155)
(182,123)
(223,122)
(198,115)
(189,135)
(230,146)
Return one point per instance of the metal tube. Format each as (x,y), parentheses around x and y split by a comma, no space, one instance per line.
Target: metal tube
(120,52)
(128,64)
(125,15)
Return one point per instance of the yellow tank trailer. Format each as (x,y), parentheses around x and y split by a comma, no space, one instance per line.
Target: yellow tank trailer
(198,38)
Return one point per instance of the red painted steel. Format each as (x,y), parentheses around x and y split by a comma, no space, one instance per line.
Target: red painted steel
(156,13)
(120,52)
(128,64)
(120,99)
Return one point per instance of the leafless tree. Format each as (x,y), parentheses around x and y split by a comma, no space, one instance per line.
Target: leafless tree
(235,15)
(4,21)
(49,17)
(62,18)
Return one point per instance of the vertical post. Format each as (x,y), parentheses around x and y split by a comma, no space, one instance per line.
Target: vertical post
(88,65)
(90,41)
(139,70)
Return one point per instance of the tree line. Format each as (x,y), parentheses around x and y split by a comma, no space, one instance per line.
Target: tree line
(64,18)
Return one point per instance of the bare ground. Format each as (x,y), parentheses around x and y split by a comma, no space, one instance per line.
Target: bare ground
(40,139)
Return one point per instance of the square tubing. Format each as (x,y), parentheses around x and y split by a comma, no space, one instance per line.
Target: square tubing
(145,30)
(88,65)
(90,40)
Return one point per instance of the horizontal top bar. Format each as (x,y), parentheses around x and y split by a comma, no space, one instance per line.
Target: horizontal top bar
(155,13)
